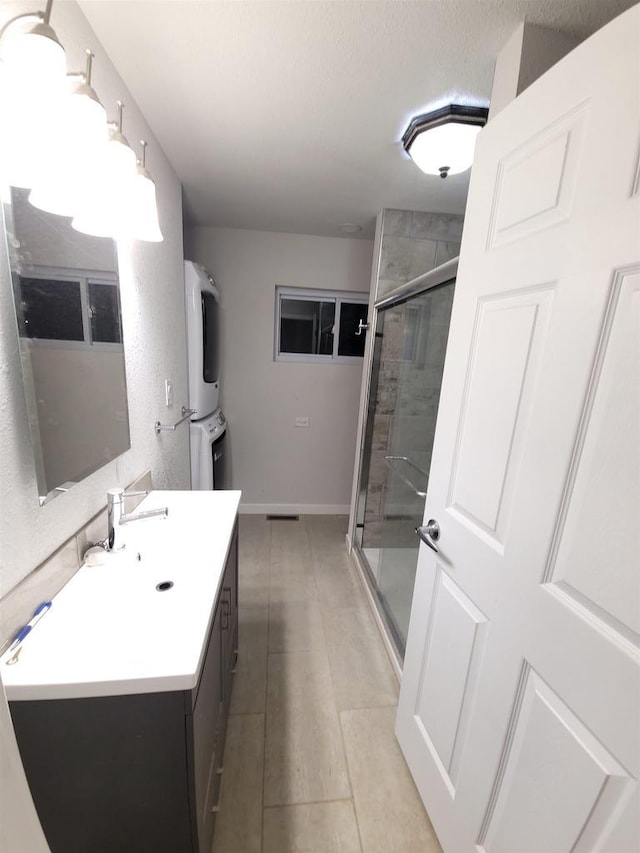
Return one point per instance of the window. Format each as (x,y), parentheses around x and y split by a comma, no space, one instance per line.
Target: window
(319,325)
(81,309)
(104,312)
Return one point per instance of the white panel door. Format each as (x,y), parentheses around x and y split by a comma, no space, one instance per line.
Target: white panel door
(519,713)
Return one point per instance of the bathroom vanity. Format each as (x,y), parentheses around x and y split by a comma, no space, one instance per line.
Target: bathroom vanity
(121,692)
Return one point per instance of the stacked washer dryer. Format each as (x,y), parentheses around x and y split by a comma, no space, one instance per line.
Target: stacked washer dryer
(208,429)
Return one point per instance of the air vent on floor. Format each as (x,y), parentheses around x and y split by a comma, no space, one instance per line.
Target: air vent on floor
(283,518)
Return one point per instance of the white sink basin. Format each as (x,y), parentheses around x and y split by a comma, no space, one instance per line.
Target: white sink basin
(114,628)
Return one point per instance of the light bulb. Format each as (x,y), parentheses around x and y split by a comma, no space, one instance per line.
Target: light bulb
(104,210)
(84,116)
(31,50)
(119,161)
(73,154)
(144,223)
(33,82)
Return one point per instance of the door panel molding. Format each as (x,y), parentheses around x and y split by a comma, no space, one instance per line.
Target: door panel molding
(453,648)
(554,154)
(542,726)
(490,437)
(603,463)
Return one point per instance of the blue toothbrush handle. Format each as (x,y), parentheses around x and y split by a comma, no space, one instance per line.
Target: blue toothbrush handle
(37,615)
(22,633)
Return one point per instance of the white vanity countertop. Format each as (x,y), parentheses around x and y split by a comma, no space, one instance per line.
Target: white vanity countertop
(110,632)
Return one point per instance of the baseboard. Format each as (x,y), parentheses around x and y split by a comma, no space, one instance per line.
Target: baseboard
(294,509)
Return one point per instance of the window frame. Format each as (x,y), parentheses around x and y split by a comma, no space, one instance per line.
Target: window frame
(304,294)
(83,278)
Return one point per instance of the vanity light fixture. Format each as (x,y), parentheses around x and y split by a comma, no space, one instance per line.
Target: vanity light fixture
(105,210)
(33,79)
(144,208)
(74,148)
(119,157)
(84,114)
(57,142)
(30,49)
(442,142)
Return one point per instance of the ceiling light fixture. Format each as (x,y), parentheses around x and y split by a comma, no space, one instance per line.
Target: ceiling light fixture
(442,142)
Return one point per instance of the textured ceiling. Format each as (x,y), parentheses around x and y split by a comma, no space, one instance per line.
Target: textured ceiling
(287,116)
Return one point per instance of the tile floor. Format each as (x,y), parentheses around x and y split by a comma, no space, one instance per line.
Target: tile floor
(311,762)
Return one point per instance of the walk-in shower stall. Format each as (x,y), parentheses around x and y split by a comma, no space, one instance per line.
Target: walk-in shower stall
(411,326)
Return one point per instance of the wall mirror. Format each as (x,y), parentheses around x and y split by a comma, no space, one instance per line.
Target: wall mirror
(67,304)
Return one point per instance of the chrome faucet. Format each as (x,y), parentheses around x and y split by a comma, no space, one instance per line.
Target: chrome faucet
(116,516)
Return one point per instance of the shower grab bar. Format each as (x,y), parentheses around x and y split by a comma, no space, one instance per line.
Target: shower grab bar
(391,459)
(186,413)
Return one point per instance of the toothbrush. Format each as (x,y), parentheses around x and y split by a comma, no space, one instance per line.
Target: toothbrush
(37,616)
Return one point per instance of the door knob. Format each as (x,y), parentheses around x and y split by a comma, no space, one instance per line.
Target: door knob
(429,534)
(362,327)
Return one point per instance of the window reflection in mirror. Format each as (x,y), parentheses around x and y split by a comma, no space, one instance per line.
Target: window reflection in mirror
(66,296)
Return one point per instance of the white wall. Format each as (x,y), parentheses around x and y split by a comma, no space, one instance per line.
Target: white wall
(151,289)
(529,52)
(281,468)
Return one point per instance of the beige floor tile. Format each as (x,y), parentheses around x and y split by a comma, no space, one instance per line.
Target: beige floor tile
(239,822)
(313,828)
(327,532)
(253,589)
(254,541)
(297,585)
(304,755)
(336,581)
(254,564)
(389,812)
(290,551)
(250,681)
(292,562)
(289,534)
(295,626)
(360,669)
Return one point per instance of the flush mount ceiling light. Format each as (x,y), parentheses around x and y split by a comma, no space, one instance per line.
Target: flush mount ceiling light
(442,142)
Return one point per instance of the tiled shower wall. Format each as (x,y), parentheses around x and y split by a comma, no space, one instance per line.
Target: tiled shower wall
(412,243)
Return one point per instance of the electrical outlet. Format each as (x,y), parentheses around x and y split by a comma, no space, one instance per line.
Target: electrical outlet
(303,422)
(168,393)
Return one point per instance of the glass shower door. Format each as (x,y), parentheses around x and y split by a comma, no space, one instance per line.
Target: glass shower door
(409,351)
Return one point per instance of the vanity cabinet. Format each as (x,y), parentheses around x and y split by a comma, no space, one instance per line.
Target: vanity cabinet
(135,772)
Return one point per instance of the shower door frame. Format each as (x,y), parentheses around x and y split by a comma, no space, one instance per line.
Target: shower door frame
(443,274)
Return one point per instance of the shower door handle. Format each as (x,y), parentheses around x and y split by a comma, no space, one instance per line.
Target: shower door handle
(429,534)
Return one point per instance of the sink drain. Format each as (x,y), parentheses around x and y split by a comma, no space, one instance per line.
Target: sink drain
(162,587)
